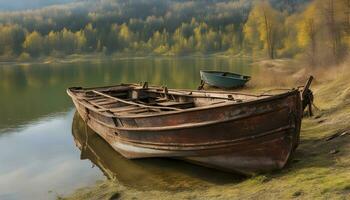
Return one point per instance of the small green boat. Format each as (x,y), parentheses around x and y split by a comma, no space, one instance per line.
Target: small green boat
(223,79)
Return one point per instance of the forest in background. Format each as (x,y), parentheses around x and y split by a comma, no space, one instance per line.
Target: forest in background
(316,31)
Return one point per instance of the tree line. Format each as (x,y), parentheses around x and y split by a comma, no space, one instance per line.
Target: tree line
(317,31)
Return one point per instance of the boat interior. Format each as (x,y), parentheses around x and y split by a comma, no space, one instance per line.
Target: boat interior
(228,75)
(132,100)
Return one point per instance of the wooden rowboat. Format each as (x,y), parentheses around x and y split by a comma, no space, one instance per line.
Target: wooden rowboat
(223,79)
(231,131)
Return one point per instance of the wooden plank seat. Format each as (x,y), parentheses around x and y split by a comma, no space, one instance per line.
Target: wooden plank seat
(95,98)
(138,111)
(133,103)
(176,104)
(124,108)
(99,101)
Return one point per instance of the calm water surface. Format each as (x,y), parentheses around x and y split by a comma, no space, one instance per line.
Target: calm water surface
(39,157)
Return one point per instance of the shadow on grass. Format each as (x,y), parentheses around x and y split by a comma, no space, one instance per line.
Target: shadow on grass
(318,152)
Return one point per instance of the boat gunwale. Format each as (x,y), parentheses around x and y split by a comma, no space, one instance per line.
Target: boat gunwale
(267,98)
(133,86)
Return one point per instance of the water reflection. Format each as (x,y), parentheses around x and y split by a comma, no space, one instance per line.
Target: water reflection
(37,153)
(41,157)
(144,174)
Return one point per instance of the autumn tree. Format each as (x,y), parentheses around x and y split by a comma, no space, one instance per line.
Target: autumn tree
(159,42)
(333,18)
(54,41)
(34,44)
(11,39)
(321,30)
(69,41)
(200,33)
(181,44)
(81,41)
(289,45)
(125,36)
(252,42)
(112,43)
(90,34)
(309,28)
(264,25)
(230,40)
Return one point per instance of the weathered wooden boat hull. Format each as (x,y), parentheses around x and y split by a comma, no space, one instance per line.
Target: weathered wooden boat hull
(160,172)
(247,137)
(257,155)
(220,80)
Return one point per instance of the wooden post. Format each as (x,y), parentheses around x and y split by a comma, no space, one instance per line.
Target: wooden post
(305,95)
(310,110)
(201,85)
(145,85)
(306,87)
(166,93)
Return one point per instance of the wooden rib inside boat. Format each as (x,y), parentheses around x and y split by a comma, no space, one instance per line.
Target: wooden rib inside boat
(231,131)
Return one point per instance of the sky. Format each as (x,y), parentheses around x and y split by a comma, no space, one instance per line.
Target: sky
(28,4)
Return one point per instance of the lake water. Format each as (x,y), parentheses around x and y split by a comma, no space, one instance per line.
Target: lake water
(39,158)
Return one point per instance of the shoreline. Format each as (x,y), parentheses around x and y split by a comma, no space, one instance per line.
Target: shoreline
(117,56)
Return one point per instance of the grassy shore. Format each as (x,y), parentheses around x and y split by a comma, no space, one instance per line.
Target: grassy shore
(68,59)
(93,57)
(319,170)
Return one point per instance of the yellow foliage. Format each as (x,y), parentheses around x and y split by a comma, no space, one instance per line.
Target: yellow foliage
(125,33)
(307,25)
(264,27)
(24,57)
(250,29)
(34,43)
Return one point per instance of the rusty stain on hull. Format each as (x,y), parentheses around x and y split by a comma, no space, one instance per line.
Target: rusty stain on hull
(236,132)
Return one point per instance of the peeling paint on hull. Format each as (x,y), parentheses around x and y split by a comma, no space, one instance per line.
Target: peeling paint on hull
(248,137)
